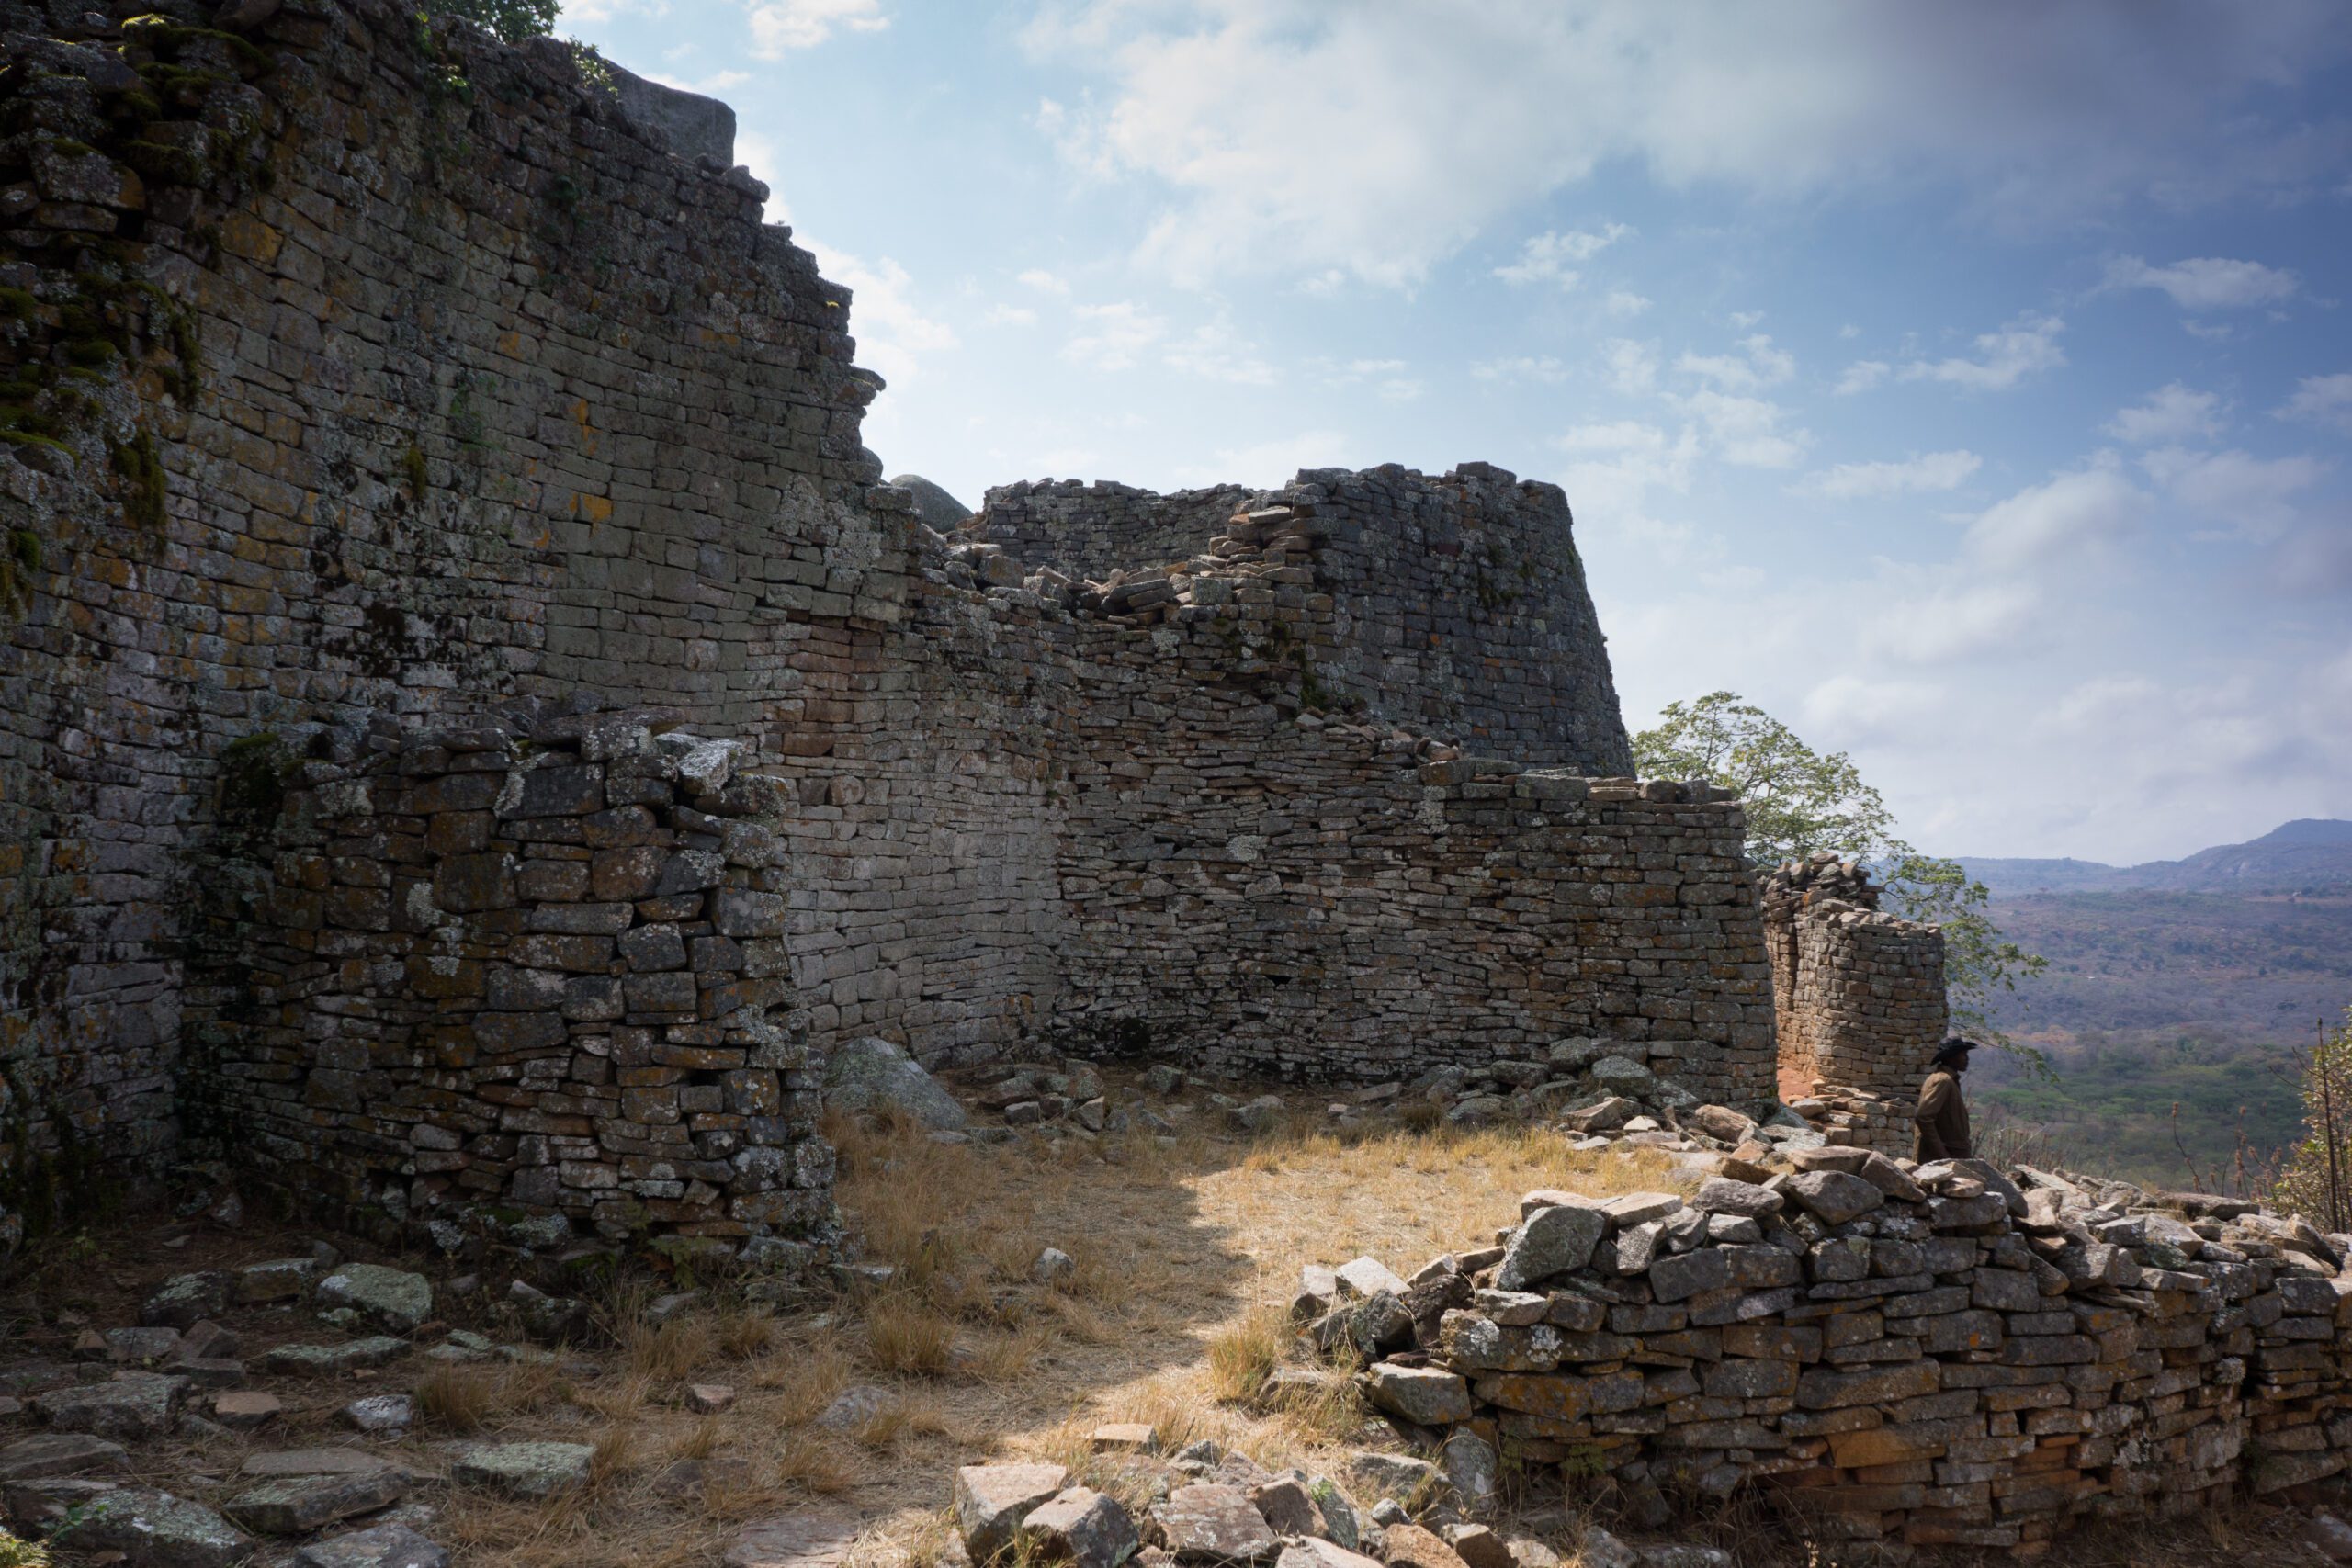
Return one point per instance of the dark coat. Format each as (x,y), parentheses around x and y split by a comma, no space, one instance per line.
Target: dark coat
(1942,1119)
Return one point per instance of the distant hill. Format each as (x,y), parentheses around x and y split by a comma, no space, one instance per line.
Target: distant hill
(2312,855)
(2180,998)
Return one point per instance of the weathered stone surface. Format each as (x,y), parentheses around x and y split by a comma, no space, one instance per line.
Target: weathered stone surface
(1213,1523)
(379,1546)
(1430,1396)
(185,1299)
(1396,1476)
(1312,1553)
(314,1461)
(1833,1197)
(1410,1545)
(800,1539)
(242,1410)
(1718,1195)
(61,1453)
(1549,1242)
(873,1075)
(991,1500)
(296,1505)
(381,1414)
(524,1470)
(394,1299)
(154,1529)
(1078,1526)
(321,1359)
(132,1406)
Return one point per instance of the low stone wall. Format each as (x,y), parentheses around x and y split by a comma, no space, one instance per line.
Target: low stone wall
(537,967)
(1924,1354)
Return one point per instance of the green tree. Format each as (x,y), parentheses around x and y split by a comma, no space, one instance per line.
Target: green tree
(2316,1179)
(1800,802)
(513,20)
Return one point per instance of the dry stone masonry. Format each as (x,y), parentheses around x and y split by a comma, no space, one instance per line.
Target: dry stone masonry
(1931,1355)
(1858,997)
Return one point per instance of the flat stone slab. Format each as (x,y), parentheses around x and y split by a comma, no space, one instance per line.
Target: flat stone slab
(793,1541)
(1210,1523)
(242,1410)
(296,1504)
(1430,1396)
(380,1413)
(314,1461)
(154,1529)
(377,1350)
(392,1298)
(379,1546)
(60,1453)
(524,1469)
(184,1299)
(133,1405)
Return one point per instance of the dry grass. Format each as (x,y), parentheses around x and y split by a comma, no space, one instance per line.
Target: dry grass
(462,1399)
(1185,1256)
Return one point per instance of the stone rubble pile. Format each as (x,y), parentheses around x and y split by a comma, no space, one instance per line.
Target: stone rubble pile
(1206,1506)
(1931,1355)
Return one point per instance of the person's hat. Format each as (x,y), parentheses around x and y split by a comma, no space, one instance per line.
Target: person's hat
(1953,1048)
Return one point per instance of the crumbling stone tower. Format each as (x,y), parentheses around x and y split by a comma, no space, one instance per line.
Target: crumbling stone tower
(1858,997)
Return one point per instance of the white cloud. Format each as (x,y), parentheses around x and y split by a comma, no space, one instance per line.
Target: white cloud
(2322,400)
(1275,462)
(1849,708)
(1388,378)
(1617,435)
(1009,316)
(2045,522)
(891,330)
(1299,136)
(781,26)
(1113,336)
(1861,376)
(1625,302)
(2252,495)
(1631,367)
(1536,368)
(1929,471)
(1961,621)
(1759,365)
(2207,283)
(2171,413)
(1215,351)
(2022,346)
(1044,282)
(1746,432)
(1553,257)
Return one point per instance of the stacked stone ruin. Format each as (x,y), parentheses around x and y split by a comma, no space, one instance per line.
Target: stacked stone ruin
(1929,1354)
(1858,1000)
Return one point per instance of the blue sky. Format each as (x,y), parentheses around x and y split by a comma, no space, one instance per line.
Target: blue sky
(1970,385)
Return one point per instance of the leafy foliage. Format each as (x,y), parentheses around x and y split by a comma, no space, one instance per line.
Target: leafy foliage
(2316,1182)
(513,20)
(1799,802)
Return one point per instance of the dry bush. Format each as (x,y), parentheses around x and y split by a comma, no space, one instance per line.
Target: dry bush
(812,1464)
(747,1332)
(905,1336)
(700,1441)
(620,1399)
(461,1399)
(804,1378)
(1242,1354)
(668,1352)
(1000,1358)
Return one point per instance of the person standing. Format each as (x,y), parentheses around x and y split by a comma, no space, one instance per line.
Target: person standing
(1942,1116)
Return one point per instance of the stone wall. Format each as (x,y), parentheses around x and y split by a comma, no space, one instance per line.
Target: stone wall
(351,374)
(1858,999)
(1089,531)
(1926,1356)
(533,965)
(373,376)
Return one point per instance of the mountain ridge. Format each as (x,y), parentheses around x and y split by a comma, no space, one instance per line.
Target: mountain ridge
(2308,854)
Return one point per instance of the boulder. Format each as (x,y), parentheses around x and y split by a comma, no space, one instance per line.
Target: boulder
(381,1413)
(183,1300)
(1551,1241)
(1394,1476)
(1721,1195)
(991,1500)
(933,505)
(1309,1552)
(873,1075)
(1407,1545)
(1080,1526)
(152,1529)
(1427,1396)
(1833,1197)
(1360,1278)
(392,1298)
